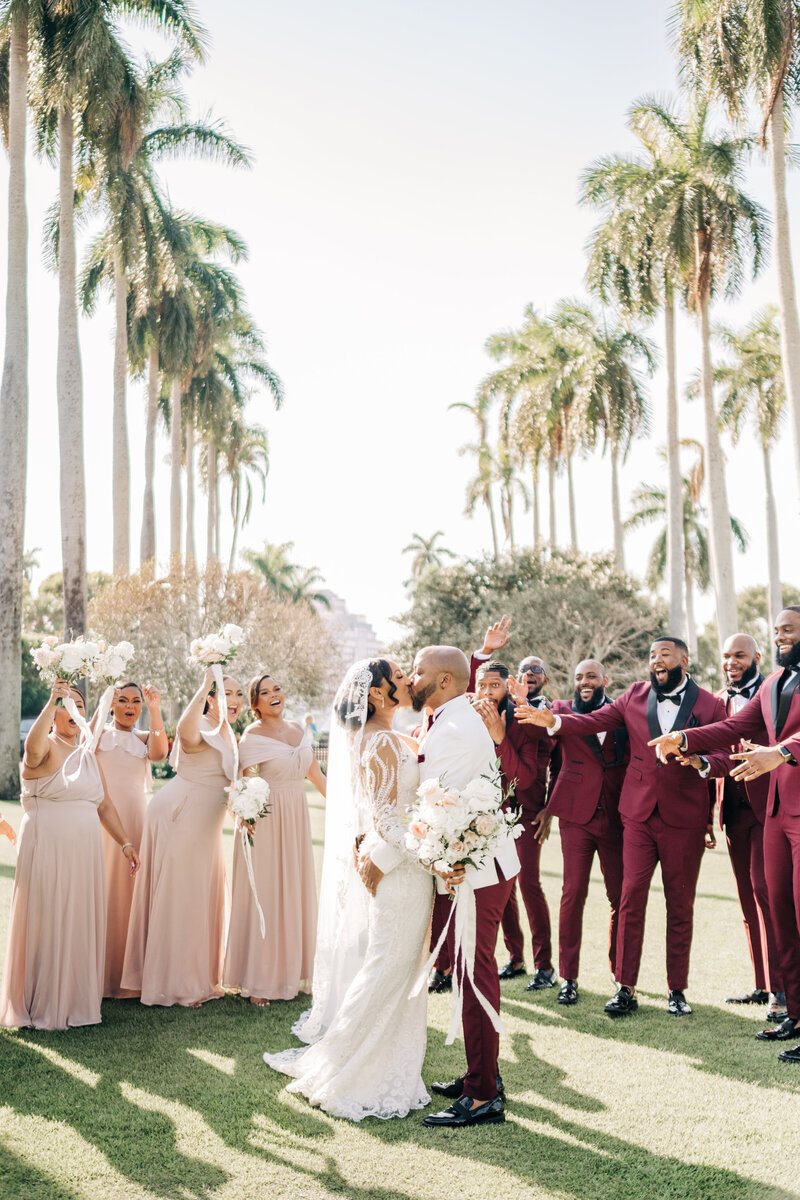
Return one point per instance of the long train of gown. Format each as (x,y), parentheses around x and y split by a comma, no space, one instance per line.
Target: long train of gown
(176,935)
(279,966)
(122,758)
(53,976)
(369,1062)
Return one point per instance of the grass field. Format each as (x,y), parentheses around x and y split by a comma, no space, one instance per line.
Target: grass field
(176,1104)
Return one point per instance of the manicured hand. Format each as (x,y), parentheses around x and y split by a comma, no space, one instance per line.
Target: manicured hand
(668,743)
(453,878)
(152,697)
(494,721)
(754,761)
(8,831)
(496,635)
(526,714)
(133,859)
(59,691)
(541,826)
(370,874)
(711,840)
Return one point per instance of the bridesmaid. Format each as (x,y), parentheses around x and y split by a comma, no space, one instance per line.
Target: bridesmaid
(176,935)
(57,928)
(124,756)
(281,965)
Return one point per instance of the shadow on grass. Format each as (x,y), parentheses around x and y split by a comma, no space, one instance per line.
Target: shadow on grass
(20,1181)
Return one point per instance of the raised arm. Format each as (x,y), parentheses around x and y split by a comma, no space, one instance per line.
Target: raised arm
(189,721)
(157,741)
(602,720)
(37,743)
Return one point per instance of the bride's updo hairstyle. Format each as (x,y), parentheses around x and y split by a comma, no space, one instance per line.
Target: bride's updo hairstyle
(349,702)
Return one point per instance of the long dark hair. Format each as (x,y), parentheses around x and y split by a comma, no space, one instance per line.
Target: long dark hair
(345,708)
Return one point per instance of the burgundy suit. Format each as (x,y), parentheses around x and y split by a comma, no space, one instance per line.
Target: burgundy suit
(774,713)
(585,799)
(665,810)
(742,809)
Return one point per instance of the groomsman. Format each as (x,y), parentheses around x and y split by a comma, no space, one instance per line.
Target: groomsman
(586,801)
(531,798)
(742,809)
(666,811)
(775,712)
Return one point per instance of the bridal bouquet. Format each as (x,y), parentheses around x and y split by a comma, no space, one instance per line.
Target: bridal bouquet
(216,648)
(111,662)
(65,660)
(249,800)
(449,826)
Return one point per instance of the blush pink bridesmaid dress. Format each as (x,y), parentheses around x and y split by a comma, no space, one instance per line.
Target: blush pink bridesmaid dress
(176,935)
(122,758)
(282,964)
(53,976)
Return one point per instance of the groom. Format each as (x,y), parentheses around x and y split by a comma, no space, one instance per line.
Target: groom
(457,747)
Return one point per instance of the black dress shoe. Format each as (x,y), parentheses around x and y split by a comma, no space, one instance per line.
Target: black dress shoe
(759,996)
(781,1033)
(440,981)
(792,1055)
(568,992)
(623,1003)
(677,1006)
(454,1090)
(510,971)
(777,1010)
(541,980)
(462,1112)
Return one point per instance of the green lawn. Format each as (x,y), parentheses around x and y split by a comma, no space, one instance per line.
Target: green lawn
(177,1103)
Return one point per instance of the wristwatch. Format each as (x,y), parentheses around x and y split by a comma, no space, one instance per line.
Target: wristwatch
(785,754)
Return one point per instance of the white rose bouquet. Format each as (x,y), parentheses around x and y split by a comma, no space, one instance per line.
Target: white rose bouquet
(249,799)
(216,648)
(65,660)
(111,662)
(447,826)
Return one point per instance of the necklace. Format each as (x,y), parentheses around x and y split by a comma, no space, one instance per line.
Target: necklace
(64,742)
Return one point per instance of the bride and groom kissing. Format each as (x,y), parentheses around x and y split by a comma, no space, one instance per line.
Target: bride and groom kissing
(366,1031)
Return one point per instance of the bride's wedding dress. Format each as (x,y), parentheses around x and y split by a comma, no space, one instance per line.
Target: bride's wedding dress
(368,1064)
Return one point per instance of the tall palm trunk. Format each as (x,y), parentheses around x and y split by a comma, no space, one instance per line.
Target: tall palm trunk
(147,545)
(537,516)
(236,485)
(14,417)
(176,448)
(774,597)
(790,324)
(675,547)
(121,487)
(190,550)
(573,516)
(551,492)
(616,510)
(69,387)
(691,624)
(718,512)
(211,526)
(217,517)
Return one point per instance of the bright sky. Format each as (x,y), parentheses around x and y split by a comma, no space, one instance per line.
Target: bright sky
(415,185)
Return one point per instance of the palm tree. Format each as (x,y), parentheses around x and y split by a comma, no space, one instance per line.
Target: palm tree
(479,489)
(702,177)
(287,580)
(735,50)
(753,385)
(246,461)
(426,555)
(649,506)
(638,257)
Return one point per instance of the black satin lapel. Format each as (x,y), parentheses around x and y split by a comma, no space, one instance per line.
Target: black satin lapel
(773,700)
(652,714)
(785,703)
(687,704)
(620,743)
(593,742)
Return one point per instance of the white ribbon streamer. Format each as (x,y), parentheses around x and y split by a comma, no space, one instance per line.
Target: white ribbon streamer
(465,943)
(86,734)
(103,709)
(248,859)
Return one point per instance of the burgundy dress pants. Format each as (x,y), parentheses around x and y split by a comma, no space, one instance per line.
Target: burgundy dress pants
(782,867)
(530,885)
(602,834)
(745,836)
(680,852)
(481,1040)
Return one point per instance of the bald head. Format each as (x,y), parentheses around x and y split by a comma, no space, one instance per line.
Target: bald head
(590,685)
(440,673)
(740,659)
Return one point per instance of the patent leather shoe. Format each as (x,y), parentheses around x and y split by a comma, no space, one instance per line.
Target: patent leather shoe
(511,970)
(463,1112)
(757,996)
(541,980)
(792,1055)
(440,981)
(568,992)
(777,1010)
(454,1090)
(622,1004)
(677,1006)
(781,1033)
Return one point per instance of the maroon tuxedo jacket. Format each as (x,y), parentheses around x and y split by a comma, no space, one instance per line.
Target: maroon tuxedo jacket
(684,800)
(757,791)
(523,758)
(777,717)
(589,773)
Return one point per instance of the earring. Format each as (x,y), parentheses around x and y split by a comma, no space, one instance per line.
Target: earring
(383,702)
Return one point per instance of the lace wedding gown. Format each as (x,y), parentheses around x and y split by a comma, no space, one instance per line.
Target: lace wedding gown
(369,1061)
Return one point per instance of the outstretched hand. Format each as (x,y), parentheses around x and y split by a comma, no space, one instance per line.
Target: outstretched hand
(668,743)
(526,714)
(497,635)
(755,760)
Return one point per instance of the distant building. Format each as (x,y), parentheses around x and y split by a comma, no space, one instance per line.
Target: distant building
(353,633)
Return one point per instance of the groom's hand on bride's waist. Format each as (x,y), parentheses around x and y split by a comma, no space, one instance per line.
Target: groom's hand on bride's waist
(370,874)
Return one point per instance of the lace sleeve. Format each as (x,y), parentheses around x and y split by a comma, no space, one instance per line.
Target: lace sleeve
(382,764)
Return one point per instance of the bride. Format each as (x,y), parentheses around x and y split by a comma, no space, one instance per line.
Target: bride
(372,947)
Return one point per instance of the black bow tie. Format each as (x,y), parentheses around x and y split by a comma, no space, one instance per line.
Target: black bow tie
(673,697)
(742,691)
